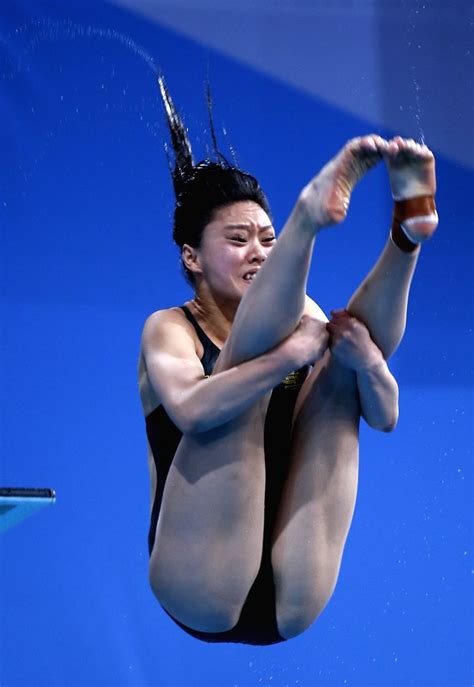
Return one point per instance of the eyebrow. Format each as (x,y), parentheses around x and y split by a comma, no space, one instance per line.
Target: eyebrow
(247,226)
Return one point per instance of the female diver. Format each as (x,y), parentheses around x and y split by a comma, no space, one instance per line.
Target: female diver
(252,398)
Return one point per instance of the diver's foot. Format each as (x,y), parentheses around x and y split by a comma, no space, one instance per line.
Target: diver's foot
(326,198)
(411,169)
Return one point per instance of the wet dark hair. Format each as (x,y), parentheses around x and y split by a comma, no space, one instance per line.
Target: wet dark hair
(203,187)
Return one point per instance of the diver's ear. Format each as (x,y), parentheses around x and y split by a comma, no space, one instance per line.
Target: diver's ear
(191,259)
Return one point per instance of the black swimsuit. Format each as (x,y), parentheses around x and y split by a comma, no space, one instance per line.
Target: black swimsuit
(257,623)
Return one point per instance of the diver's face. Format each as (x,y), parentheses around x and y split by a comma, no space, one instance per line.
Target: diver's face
(234,246)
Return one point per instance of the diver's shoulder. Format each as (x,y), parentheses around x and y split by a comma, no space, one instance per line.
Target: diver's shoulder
(168,324)
(160,318)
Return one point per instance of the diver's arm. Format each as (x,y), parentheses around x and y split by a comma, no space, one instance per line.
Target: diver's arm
(197,403)
(378,393)
(352,345)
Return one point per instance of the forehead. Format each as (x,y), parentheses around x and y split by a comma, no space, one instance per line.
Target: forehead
(241,212)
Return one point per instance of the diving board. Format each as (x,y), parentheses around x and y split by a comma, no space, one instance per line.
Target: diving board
(16,504)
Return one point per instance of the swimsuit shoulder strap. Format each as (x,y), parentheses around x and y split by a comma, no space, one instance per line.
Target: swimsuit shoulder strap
(202,336)
(211,351)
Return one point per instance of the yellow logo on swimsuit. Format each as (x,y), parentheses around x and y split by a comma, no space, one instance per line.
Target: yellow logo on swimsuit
(294,379)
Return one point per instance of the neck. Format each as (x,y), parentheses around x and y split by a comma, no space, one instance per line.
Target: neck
(216,315)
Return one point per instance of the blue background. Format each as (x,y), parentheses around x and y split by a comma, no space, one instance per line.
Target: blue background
(86,256)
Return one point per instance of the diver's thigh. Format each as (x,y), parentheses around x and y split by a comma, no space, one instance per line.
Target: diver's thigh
(318,498)
(209,536)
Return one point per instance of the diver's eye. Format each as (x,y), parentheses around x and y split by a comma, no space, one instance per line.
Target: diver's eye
(269,239)
(239,239)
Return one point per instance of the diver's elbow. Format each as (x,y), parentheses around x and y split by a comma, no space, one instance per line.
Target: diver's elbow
(391,424)
(384,424)
(390,427)
(184,417)
(195,421)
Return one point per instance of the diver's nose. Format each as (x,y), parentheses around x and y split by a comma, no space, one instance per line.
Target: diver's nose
(257,253)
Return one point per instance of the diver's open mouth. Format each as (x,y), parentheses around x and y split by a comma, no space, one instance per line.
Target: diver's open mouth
(249,276)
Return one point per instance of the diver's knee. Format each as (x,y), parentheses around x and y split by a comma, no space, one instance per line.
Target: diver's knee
(197,606)
(299,603)
(203,615)
(293,620)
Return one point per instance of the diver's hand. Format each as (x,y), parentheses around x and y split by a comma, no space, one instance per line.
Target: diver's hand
(350,342)
(308,342)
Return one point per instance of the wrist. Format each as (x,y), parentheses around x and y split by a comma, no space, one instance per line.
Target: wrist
(289,356)
(372,364)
